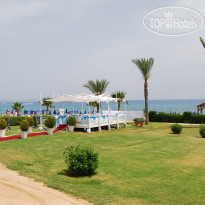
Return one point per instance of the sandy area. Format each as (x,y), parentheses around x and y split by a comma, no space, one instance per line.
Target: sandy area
(19,190)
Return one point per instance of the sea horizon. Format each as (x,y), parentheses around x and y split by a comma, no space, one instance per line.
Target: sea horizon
(160,105)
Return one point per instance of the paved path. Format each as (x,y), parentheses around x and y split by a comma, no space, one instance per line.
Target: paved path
(19,190)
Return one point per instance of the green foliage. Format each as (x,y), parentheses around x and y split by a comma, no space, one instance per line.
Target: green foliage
(30,121)
(187,117)
(139,120)
(202,41)
(71,120)
(24,126)
(47,104)
(153,116)
(202,131)
(3,124)
(198,119)
(14,120)
(17,106)
(50,122)
(98,87)
(81,161)
(144,65)
(176,128)
(120,95)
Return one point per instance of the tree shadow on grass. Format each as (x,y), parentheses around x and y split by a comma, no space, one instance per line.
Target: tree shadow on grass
(66,172)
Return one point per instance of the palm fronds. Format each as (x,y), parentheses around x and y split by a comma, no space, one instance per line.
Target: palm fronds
(202,41)
(144,65)
(97,87)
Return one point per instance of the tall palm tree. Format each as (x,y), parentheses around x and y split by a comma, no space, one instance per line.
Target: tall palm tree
(202,41)
(98,87)
(145,66)
(120,95)
(47,104)
(17,106)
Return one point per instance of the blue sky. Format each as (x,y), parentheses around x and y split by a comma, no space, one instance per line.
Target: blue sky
(56,46)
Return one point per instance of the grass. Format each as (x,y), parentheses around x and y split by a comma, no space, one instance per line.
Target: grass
(15,130)
(147,165)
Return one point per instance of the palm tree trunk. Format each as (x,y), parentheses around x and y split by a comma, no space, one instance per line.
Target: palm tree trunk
(146,102)
(47,111)
(118,106)
(98,107)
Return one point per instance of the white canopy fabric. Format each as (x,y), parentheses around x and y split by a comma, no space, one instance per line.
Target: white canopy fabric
(84,98)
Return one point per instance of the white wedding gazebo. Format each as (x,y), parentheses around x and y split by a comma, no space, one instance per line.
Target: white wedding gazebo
(93,120)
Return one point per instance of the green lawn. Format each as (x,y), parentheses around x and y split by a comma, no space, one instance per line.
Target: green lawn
(146,165)
(15,130)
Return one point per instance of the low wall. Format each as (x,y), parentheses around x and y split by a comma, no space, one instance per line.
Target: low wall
(130,114)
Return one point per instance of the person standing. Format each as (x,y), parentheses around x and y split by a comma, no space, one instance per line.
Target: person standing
(35,118)
(9,120)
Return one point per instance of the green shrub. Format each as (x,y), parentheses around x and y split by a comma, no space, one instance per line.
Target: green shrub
(187,117)
(141,120)
(162,117)
(81,161)
(30,121)
(14,119)
(197,119)
(202,131)
(24,126)
(153,116)
(71,120)
(3,124)
(50,122)
(176,128)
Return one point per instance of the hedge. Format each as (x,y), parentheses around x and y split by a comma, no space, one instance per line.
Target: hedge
(15,120)
(187,117)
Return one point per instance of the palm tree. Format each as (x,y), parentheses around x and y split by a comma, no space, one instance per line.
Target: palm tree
(98,87)
(145,66)
(17,106)
(120,95)
(47,104)
(202,41)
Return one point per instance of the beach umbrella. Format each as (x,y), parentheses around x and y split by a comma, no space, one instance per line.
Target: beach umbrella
(85,111)
(54,112)
(43,112)
(49,112)
(66,111)
(6,110)
(12,112)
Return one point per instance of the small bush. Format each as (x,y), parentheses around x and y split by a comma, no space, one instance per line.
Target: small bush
(50,122)
(176,128)
(81,161)
(30,121)
(202,131)
(71,120)
(3,124)
(24,126)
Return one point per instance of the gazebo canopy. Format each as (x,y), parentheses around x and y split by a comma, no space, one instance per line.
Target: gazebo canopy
(84,98)
(200,108)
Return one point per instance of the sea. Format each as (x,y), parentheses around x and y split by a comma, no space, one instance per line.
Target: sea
(168,106)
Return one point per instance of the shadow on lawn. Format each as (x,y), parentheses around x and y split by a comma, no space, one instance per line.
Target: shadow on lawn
(66,172)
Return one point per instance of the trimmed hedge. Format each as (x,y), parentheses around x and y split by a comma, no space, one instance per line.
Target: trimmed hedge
(16,120)
(187,117)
